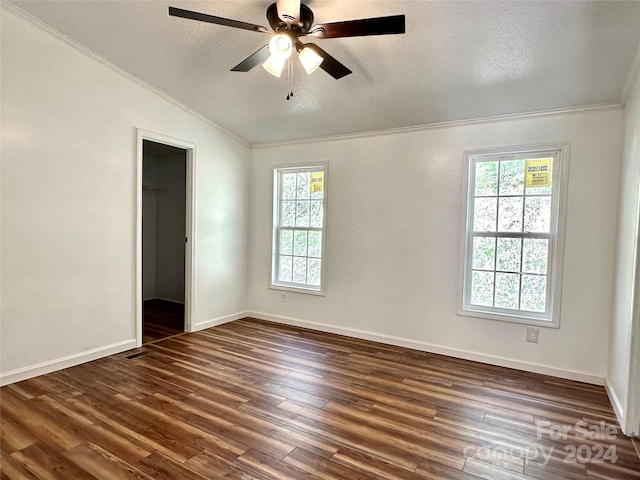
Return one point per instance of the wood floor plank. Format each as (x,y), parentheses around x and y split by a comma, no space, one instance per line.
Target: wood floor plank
(272,467)
(321,467)
(211,466)
(36,423)
(310,437)
(12,469)
(160,467)
(635,442)
(103,465)
(376,442)
(436,471)
(26,390)
(556,468)
(93,409)
(492,472)
(14,436)
(47,463)
(252,400)
(439,448)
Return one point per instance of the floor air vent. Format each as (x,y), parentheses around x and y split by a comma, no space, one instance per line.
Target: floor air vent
(139,354)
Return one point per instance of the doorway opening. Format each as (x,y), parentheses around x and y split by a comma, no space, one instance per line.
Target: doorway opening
(164,208)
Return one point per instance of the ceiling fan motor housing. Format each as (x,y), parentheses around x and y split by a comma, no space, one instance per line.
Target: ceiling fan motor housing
(301,27)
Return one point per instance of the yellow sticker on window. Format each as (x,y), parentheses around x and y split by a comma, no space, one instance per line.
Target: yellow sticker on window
(538,173)
(317,182)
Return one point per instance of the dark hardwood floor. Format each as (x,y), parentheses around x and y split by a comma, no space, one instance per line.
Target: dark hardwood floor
(255,400)
(161,319)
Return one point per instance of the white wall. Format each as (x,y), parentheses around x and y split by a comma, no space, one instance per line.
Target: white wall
(68,203)
(626,282)
(394,231)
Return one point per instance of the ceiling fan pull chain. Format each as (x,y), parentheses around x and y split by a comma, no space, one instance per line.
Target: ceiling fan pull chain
(289,79)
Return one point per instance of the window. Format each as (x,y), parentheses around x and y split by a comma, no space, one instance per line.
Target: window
(299,203)
(514,233)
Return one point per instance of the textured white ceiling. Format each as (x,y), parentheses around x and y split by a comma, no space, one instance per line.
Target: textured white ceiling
(458,60)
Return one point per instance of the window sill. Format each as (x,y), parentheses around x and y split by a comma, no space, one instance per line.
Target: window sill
(288,288)
(520,319)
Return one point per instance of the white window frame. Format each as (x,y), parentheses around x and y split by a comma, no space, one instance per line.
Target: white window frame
(551,317)
(276,175)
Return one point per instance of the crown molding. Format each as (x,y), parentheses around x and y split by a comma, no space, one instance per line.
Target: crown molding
(433,126)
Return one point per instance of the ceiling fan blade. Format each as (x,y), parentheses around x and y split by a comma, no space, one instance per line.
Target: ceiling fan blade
(252,60)
(289,10)
(358,28)
(227,22)
(329,64)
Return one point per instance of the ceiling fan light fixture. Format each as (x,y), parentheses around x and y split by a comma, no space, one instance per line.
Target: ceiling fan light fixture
(274,65)
(281,46)
(310,60)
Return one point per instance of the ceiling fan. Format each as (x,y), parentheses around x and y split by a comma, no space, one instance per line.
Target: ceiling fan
(290,20)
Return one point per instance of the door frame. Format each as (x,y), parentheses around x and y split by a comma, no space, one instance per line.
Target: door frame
(190,227)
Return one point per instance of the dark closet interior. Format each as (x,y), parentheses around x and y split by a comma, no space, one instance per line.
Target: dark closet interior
(163,240)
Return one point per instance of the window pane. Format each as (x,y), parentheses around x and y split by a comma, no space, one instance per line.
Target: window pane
(485,214)
(313,275)
(486,178)
(299,270)
(484,251)
(302,214)
(537,214)
(538,191)
(510,214)
(508,254)
(298,225)
(511,234)
(303,190)
(286,242)
(535,254)
(286,268)
(316,213)
(507,286)
(289,186)
(482,288)
(300,243)
(512,177)
(314,240)
(288,214)
(533,293)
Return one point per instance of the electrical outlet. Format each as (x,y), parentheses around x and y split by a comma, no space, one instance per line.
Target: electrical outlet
(532,334)
(283,298)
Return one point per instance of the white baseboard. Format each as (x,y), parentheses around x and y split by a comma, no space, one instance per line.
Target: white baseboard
(25,373)
(76,359)
(618,409)
(431,348)
(218,321)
